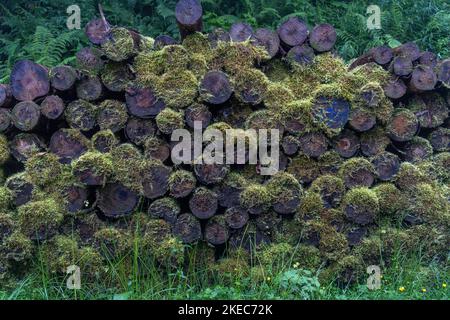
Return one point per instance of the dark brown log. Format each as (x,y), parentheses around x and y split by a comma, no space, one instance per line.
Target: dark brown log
(358,172)
(289,145)
(138,130)
(68,144)
(143,103)
(360,210)
(323,37)
(89,88)
(114,200)
(443,73)
(402,66)
(430,109)
(52,107)
(428,58)
(5,119)
(293,32)
(374,141)
(361,60)
(29,80)
(77,199)
(97,30)
(21,189)
(162,41)
(216,231)
(302,54)
(313,144)
(215,88)
(269,40)
(81,115)
(402,126)
(236,217)
(104,141)
(25,115)
(408,50)
(331,112)
(24,145)
(203,203)
(155,179)
(440,139)
(187,228)
(423,78)
(156,148)
(90,60)
(166,209)
(116,76)
(346,144)
(240,32)
(395,89)
(198,112)
(417,150)
(188,14)
(362,119)
(210,173)
(112,115)
(386,165)
(382,55)
(6,97)
(63,78)
(181,183)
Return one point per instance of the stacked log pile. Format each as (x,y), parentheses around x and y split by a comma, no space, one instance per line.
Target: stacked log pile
(86,151)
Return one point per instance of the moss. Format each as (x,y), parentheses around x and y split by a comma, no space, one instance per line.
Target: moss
(441,163)
(124,157)
(120,45)
(355,171)
(18,247)
(432,241)
(40,219)
(60,253)
(304,169)
(311,206)
(198,65)
(284,187)
(430,108)
(177,89)
(418,149)
(332,244)
(91,264)
(276,256)
(230,268)
(256,196)
(374,141)
(96,163)
(112,115)
(409,176)
(104,141)
(429,203)
(250,86)
(276,70)
(296,116)
(112,243)
(369,250)
(277,96)
(221,126)
(181,178)
(7,226)
(43,168)
(408,119)
(170,207)
(343,271)
(4,149)
(330,188)
(198,43)
(201,256)
(5,199)
(116,76)
(331,91)
(77,112)
(391,200)
(330,162)
(169,120)
(363,200)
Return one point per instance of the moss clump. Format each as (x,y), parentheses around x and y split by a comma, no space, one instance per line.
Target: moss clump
(429,203)
(43,169)
(391,200)
(94,165)
(374,141)
(7,226)
(41,219)
(5,199)
(256,197)
(124,157)
(418,149)
(232,267)
(91,264)
(440,165)
(276,256)
(330,162)
(177,89)
(116,76)
(370,250)
(296,116)
(80,114)
(169,120)
(285,190)
(361,205)
(311,206)
(330,188)
(181,183)
(198,43)
(4,149)
(332,244)
(250,86)
(112,115)
(304,169)
(307,257)
(432,241)
(112,243)
(343,271)
(18,248)
(357,172)
(60,253)
(156,148)
(409,176)
(165,208)
(104,141)
(277,70)
(120,45)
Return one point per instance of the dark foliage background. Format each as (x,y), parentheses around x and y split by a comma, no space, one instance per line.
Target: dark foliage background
(37,29)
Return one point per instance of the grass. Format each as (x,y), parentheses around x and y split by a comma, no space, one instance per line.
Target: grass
(407,277)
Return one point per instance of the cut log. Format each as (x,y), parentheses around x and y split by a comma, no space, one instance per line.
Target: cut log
(25,115)
(90,60)
(6,97)
(21,189)
(29,80)
(81,115)
(402,126)
(89,88)
(210,173)
(331,112)
(440,139)
(374,141)
(25,145)
(216,231)
(203,203)
(155,179)
(218,35)
(52,107)
(386,165)
(188,14)
(395,89)
(197,112)
(112,115)
(63,78)
(313,144)
(423,78)
(382,55)
(408,50)
(323,37)
(346,144)
(77,199)
(166,209)
(114,200)
(402,66)
(5,119)
(240,32)
(143,103)
(116,76)
(68,144)
(293,32)
(429,59)
(236,217)
(156,148)
(430,109)
(138,130)
(269,40)
(443,73)
(97,30)
(302,54)
(162,41)
(215,88)
(362,119)
(187,228)
(181,183)
(289,145)
(417,150)
(104,141)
